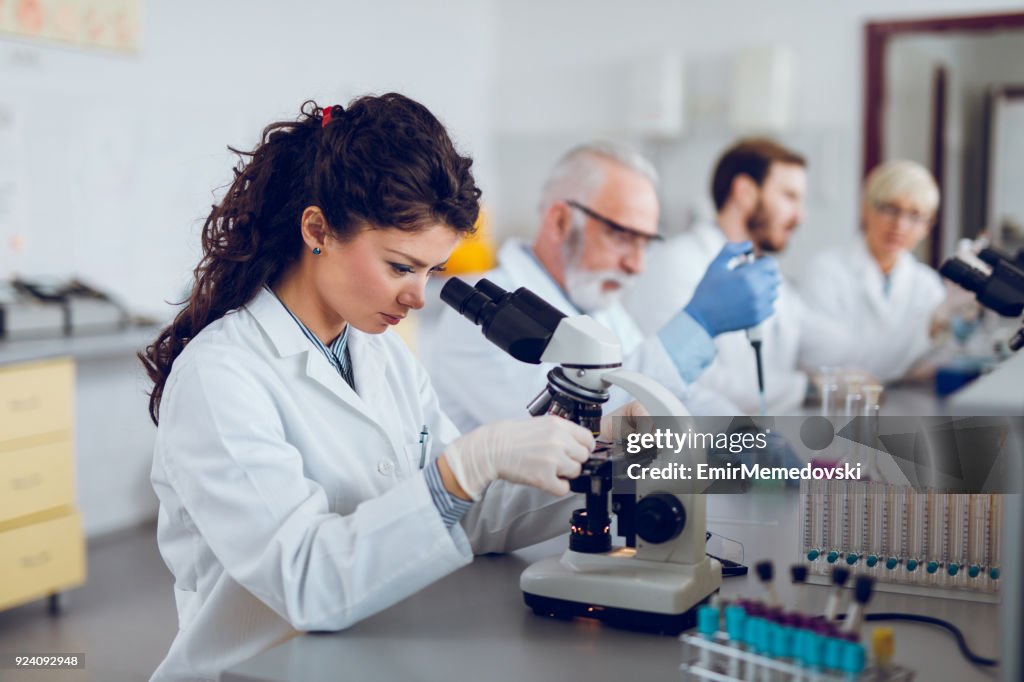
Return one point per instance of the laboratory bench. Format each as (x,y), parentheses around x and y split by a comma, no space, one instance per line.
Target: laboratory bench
(473,623)
(81,348)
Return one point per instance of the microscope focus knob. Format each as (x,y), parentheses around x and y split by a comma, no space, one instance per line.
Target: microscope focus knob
(659,518)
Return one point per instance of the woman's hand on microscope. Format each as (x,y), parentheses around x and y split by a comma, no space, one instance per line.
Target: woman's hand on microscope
(543,452)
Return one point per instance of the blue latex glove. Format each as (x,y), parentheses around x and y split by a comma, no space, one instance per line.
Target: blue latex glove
(728,299)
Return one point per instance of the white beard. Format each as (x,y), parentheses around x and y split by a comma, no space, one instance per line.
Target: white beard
(585,288)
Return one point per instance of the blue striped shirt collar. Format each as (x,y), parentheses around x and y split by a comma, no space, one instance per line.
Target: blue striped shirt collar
(337,353)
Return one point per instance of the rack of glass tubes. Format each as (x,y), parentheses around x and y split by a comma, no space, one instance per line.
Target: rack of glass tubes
(920,542)
(760,645)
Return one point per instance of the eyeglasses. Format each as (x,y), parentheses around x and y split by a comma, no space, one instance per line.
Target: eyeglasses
(620,234)
(894,212)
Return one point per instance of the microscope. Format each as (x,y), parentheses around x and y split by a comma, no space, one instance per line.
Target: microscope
(996,279)
(658,578)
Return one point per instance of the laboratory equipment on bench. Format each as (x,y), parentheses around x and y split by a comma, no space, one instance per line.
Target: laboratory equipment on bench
(996,281)
(40,308)
(761,639)
(924,542)
(662,573)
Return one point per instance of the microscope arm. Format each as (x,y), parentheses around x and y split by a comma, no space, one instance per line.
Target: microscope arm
(656,399)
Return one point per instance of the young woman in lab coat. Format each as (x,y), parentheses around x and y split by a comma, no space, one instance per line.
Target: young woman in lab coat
(307,478)
(875,286)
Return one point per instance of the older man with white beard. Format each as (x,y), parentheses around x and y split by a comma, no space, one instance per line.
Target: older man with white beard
(599,211)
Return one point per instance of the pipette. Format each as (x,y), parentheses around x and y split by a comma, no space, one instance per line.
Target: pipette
(755,335)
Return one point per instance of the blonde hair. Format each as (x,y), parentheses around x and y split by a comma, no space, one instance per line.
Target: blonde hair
(902,180)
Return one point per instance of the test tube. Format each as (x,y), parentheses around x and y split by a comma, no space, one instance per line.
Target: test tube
(893,527)
(875,524)
(823,504)
(829,391)
(995,542)
(957,526)
(977,538)
(857,496)
(811,511)
(937,503)
(837,514)
(917,530)
(870,410)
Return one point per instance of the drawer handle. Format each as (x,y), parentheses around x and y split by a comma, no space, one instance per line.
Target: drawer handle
(25,482)
(25,404)
(36,560)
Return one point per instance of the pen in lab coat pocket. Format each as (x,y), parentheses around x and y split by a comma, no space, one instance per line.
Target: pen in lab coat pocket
(424,438)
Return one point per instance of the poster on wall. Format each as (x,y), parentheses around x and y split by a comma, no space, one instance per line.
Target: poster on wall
(106,24)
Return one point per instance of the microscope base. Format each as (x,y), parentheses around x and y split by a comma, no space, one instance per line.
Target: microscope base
(621,590)
(644,621)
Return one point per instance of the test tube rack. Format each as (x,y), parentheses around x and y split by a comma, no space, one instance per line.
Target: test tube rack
(929,542)
(716,657)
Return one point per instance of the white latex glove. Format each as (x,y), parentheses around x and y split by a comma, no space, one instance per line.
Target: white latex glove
(629,418)
(542,452)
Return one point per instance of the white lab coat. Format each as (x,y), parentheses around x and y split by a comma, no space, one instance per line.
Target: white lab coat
(846,284)
(478,383)
(289,502)
(794,338)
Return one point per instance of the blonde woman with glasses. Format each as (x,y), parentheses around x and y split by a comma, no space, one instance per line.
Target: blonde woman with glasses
(874,286)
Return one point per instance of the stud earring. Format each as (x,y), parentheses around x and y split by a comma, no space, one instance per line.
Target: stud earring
(316,250)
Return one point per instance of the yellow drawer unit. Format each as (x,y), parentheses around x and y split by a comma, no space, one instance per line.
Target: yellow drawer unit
(36,478)
(42,548)
(41,558)
(36,398)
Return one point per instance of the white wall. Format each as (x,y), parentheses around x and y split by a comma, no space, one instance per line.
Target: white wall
(120,154)
(547,47)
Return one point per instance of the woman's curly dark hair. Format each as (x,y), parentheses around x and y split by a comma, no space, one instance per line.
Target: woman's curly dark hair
(382,162)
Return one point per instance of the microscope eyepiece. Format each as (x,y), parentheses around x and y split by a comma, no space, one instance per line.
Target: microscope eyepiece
(964,274)
(1002,290)
(469,301)
(520,323)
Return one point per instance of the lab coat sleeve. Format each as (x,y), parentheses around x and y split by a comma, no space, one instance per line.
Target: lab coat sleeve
(688,345)
(512,516)
(244,487)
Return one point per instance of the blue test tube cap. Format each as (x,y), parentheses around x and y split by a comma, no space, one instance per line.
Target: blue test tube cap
(854,658)
(707,620)
(832,557)
(974,570)
(851,558)
(813,649)
(911,564)
(750,632)
(813,554)
(953,568)
(771,638)
(735,622)
(932,567)
(787,648)
(892,562)
(834,653)
(993,573)
(872,560)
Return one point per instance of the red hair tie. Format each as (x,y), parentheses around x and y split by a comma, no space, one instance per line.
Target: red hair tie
(328,113)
